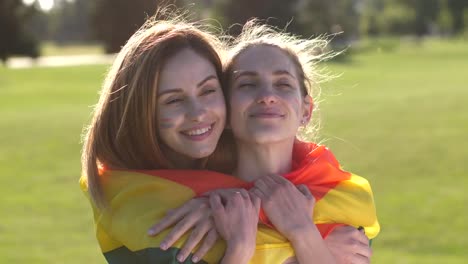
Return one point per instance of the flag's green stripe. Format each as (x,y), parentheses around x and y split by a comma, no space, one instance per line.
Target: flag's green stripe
(123,255)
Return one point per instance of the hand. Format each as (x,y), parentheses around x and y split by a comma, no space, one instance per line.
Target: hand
(236,222)
(194,214)
(225,194)
(349,245)
(288,207)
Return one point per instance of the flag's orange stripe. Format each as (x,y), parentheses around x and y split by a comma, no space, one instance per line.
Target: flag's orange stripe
(199,181)
(326,229)
(313,165)
(317,168)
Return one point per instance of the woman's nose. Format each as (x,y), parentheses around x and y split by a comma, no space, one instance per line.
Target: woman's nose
(196,111)
(266,95)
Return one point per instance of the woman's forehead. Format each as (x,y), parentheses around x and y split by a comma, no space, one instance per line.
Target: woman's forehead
(263,58)
(185,69)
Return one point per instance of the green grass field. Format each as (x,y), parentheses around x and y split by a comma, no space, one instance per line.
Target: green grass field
(398,118)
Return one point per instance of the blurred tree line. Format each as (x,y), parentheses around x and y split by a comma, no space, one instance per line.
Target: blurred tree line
(16,38)
(111,22)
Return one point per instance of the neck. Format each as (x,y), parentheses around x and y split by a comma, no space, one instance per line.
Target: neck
(180,161)
(257,160)
(185,163)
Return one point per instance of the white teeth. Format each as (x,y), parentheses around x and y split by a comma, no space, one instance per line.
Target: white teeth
(197,132)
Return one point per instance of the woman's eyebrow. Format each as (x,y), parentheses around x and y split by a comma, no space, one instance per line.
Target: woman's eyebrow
(239,73)
(180,90)
(283,72)
(211,77)
(175,90)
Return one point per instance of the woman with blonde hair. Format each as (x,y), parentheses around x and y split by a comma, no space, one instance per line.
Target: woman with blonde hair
(269,78)
(161,109)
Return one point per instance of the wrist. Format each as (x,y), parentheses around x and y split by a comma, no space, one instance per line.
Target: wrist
(308,229)
(309,244)
(240,251)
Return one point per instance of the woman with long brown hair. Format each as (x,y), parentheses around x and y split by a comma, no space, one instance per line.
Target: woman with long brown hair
(162,107)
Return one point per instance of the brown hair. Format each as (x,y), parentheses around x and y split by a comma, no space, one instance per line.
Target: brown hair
(304,53)
(123,131)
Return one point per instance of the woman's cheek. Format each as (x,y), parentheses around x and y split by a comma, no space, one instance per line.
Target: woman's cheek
(217,103)
(166,123)
(297,105)
(235,102)
(295,101)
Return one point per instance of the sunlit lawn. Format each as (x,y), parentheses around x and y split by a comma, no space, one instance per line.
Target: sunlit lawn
(401,120)
(398,118)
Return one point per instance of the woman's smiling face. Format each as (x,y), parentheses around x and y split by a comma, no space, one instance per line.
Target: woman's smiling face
(266,103)
(191,107)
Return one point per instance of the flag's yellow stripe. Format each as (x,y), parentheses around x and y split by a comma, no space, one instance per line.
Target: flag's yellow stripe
(138,201)
(351,202)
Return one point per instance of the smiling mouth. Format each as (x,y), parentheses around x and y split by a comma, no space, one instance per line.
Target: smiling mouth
(267,115)
(198,133)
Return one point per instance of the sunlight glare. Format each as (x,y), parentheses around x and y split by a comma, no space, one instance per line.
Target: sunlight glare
(45,5)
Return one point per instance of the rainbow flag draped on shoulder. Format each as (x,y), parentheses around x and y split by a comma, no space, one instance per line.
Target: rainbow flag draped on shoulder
(138,199)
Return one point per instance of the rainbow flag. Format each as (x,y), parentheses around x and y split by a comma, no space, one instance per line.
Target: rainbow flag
(138,199)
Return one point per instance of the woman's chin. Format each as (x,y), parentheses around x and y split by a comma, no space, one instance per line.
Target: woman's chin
(267,138)
(270,134)
(200,153)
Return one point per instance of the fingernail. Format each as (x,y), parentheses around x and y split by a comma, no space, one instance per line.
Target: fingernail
(163,246)
(195,259)
(151,232)
(361,229)
(180,258)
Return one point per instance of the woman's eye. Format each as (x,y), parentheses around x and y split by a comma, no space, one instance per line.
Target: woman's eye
(173,101)
(284,85)
(246,85)
(209,91)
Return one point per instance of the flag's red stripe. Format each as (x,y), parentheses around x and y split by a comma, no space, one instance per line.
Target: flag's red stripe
(199,181)
(313,165)
(326,229)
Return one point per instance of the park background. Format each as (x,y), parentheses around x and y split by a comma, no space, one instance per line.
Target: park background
(397,113)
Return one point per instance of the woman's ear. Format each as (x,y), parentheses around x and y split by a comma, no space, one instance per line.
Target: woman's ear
(307,109)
